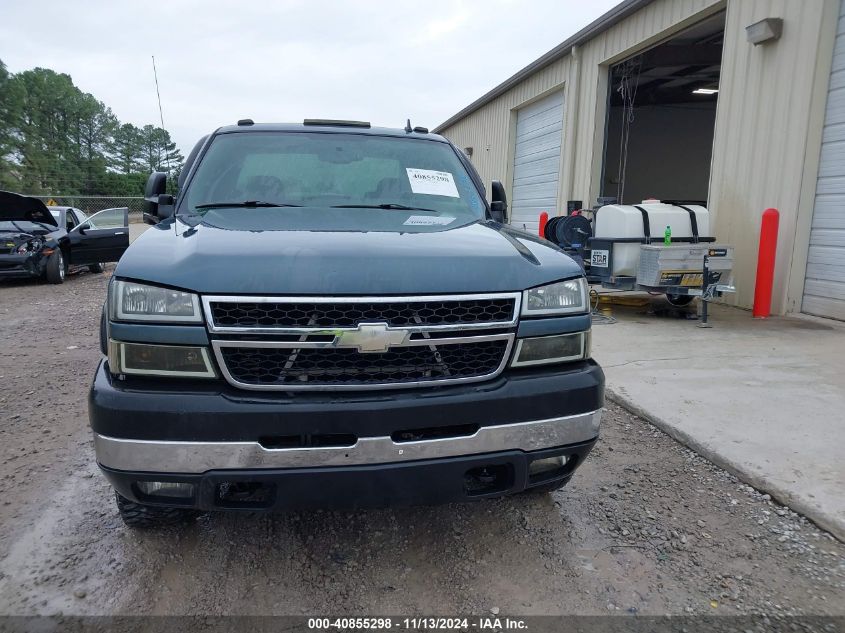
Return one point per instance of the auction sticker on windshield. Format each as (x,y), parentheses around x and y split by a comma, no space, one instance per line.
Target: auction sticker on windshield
(432,183)
(428,220)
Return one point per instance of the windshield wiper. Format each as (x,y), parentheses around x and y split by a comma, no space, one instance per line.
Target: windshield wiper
(386,205)
(248,204)
(44,226)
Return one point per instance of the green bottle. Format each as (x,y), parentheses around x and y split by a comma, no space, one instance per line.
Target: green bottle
(667,236)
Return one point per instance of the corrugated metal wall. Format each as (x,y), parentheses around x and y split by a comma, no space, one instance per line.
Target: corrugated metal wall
(762,123)
(489,130)
(766,114)
(824,287)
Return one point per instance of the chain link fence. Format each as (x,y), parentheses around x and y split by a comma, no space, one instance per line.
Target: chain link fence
(92,204)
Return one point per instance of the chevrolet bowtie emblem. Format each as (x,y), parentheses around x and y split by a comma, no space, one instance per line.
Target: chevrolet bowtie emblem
(371,338)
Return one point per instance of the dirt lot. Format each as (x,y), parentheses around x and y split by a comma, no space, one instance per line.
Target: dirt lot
(646,527)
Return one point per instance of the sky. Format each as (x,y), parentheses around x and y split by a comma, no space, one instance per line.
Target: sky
(219,61)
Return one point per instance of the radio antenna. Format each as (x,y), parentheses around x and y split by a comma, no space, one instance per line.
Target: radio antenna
(161,116)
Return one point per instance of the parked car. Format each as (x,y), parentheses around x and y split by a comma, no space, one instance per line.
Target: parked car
(50,242)
(330,314)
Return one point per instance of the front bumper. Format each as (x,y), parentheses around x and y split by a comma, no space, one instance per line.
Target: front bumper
(199,457)
(312,450)
(28,265)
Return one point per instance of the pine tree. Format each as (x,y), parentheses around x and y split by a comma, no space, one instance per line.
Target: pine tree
(57,140)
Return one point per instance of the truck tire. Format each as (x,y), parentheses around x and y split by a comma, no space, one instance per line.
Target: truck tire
(137,515)
(97,268)
(547,487)
(56,268)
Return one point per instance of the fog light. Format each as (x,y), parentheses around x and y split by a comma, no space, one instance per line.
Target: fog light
(160,360)
(166,489)
(546,465)
(542,350)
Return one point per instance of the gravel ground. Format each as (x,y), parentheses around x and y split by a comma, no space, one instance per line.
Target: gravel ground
(646,526)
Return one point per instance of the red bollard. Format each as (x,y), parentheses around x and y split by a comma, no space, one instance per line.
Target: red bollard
(766,264)
(544,219)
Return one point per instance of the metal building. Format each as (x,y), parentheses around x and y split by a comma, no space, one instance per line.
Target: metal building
(739,103)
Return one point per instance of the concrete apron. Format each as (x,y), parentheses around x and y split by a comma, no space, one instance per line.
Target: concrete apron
(764,399)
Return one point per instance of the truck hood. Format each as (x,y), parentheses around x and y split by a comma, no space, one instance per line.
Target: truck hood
(477,257)
(14,206)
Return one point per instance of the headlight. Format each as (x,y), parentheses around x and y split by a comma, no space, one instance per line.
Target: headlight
(160,360)
(32,246)
(562,297)
(544,350)
(138,302)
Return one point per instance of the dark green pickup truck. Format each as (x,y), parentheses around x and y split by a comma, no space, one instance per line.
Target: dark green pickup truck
(331,314)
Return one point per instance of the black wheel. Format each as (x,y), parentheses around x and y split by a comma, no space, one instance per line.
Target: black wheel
(549,232)
(137,515)
(97,268)
(573,229)
(680,301)
(56,268)
(549,486)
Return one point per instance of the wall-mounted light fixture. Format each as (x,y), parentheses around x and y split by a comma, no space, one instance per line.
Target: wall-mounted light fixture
(766,30)
(705,91)
(468,151)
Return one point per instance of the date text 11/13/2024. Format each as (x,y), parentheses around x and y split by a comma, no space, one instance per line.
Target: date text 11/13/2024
(480,623)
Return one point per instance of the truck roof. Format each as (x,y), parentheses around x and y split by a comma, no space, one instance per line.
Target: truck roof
(339,127)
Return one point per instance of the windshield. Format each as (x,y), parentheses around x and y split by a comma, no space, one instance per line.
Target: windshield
(333,182)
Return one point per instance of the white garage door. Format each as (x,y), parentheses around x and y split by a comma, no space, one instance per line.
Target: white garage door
(824,287)
(536,162)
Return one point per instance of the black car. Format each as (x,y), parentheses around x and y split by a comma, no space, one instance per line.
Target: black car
(49,242)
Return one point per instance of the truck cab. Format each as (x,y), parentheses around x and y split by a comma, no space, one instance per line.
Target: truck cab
(330,314)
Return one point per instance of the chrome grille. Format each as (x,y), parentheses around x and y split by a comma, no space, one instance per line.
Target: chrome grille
(298,343)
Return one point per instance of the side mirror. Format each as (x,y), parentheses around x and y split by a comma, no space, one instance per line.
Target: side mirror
(166,203)
(156,186)
(498,202)
(82,228)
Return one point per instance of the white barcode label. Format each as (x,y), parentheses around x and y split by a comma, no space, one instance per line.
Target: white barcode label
(432,183)
(429,220)
(598,258)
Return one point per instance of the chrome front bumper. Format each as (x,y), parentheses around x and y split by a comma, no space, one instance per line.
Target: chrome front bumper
(200,457)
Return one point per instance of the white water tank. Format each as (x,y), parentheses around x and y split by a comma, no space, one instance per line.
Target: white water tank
(626,221)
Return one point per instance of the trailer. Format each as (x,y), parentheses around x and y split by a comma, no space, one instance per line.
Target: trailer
(660,247)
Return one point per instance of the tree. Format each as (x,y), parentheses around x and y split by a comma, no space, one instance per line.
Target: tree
(159,150)
(117,184)
(10,97)
(128,149)
(96,126)
(57,140)
(43,114)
